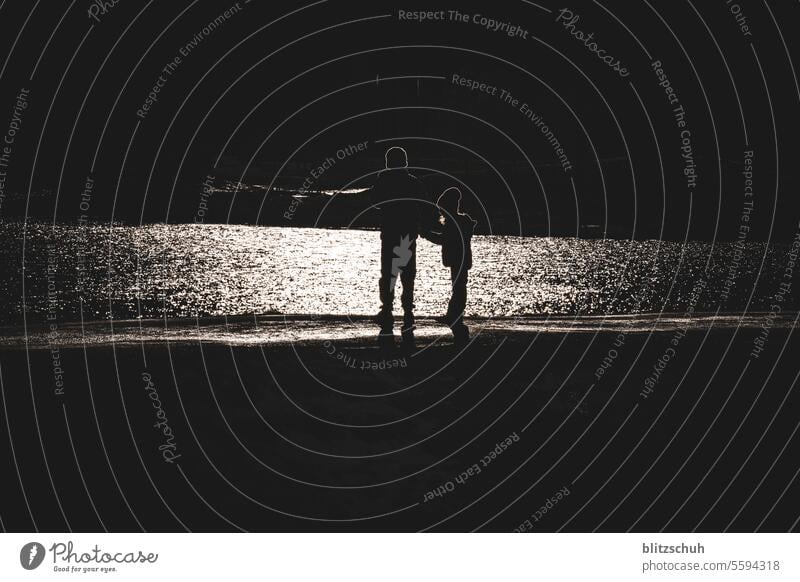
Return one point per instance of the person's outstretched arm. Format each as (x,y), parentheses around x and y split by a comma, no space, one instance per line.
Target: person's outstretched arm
(376,193)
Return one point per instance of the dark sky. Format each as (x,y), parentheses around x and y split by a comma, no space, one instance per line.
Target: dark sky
(281,87)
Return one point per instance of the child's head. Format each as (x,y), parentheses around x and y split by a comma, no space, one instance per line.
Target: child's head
(450,201)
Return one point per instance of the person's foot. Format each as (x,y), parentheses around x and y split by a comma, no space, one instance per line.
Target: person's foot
(461,335)
(386,340)
(408,321)
(407,339)
(384,318)
(445,319)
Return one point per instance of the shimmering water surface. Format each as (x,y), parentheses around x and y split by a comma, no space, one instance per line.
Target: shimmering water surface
(153,271)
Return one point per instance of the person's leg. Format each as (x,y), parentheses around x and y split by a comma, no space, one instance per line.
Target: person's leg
(458,302)
(407,276)
(385,287)
(458,297)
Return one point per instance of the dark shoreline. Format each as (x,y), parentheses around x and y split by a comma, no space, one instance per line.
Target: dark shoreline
(317,418)
(272,330)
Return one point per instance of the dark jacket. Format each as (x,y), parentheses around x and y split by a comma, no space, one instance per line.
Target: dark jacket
(455,236)
(402,203)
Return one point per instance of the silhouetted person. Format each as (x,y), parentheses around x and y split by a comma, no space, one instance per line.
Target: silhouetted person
(403,212)
(455,236)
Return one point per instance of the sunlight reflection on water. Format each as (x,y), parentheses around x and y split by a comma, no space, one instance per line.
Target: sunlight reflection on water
(212,270)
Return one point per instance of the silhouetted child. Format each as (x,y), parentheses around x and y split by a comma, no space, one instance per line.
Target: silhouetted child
(455,236)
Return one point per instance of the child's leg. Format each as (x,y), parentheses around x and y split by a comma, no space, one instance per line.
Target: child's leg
(407,276)
(458,299)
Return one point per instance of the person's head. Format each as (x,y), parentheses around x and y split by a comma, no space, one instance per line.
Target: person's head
(450,201)
(396,158)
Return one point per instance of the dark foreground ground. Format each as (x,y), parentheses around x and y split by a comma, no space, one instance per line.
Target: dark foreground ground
(516,431)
